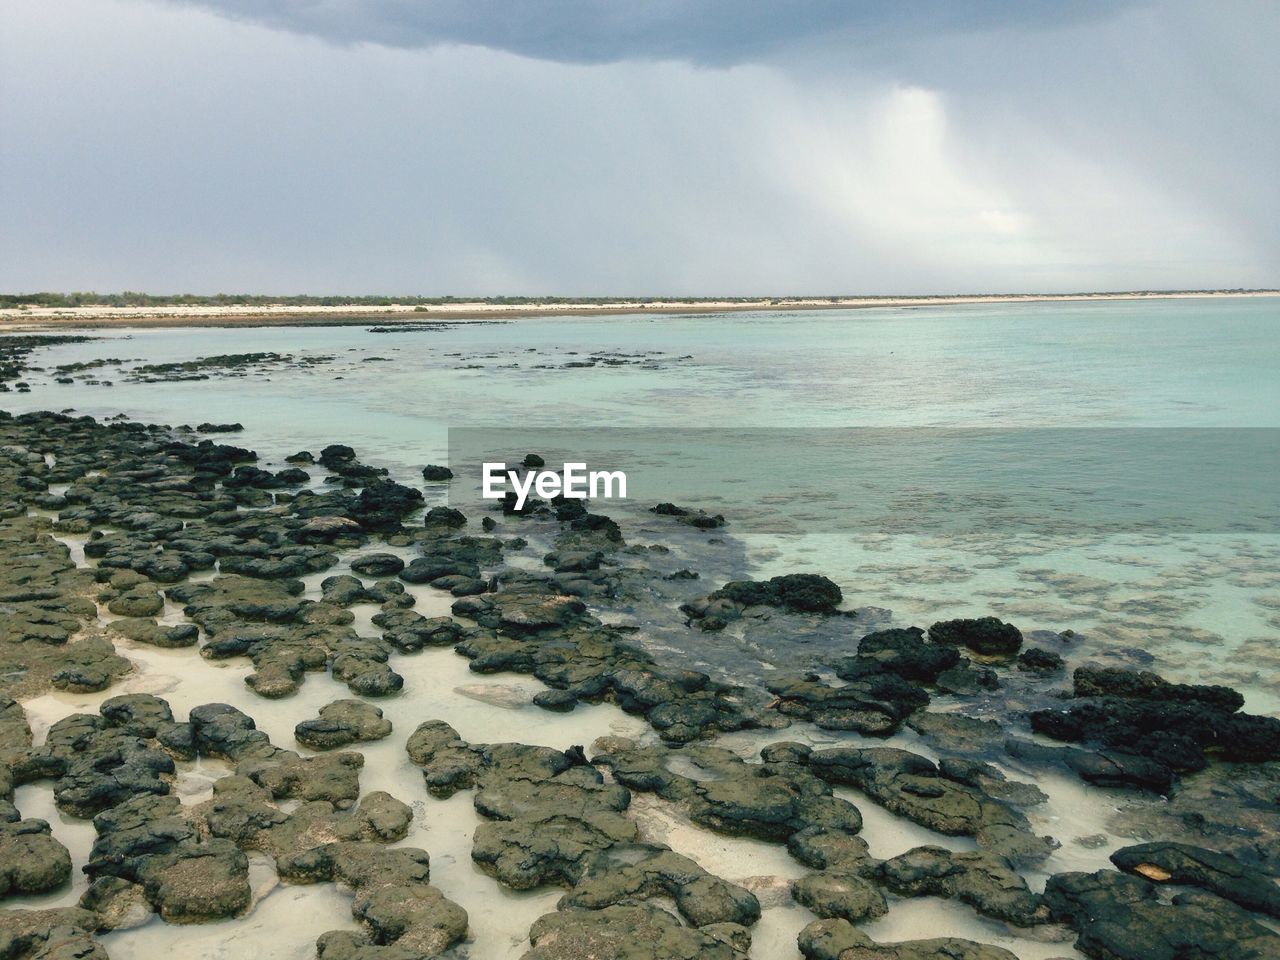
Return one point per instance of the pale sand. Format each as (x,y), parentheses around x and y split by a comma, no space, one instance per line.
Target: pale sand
(279,315)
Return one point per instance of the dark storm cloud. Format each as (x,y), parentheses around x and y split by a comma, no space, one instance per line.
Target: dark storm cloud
(712,32)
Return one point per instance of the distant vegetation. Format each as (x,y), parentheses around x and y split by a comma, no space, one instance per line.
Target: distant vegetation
(133,299)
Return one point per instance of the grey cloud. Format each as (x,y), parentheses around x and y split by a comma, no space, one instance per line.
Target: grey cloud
(711,32)
(175,150)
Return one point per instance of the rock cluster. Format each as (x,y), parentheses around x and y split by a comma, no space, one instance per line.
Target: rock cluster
(1156,728)
(533,625)
(155,506)
(552,819)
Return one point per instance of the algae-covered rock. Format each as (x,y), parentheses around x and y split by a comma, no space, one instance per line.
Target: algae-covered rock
(393,898)
(151,841)
(721,791)
(31,860)
(62,933)
(984,881)
(639,932)
(845,895)
(341,723)
(837,939)
(913,787)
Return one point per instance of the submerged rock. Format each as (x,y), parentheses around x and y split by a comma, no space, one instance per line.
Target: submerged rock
(529,626)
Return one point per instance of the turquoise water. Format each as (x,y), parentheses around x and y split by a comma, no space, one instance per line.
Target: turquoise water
(1206,605)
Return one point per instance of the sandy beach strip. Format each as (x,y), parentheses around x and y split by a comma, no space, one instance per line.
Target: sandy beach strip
(29,319)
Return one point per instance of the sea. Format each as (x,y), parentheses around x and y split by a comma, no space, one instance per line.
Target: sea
(1106,468)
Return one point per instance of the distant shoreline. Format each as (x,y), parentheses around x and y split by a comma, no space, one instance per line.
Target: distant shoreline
(23,320)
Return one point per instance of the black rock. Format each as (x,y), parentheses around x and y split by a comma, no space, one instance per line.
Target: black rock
(986,635)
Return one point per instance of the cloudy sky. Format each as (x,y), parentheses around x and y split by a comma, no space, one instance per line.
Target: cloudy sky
(597,147)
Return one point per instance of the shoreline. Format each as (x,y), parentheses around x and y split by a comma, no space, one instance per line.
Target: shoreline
(34,319)
(831,801)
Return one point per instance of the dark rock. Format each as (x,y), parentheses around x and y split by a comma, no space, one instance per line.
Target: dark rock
(845,895)
(838,939)
(558,701)
(1108,768)
(826,849)
(966,680)
(804,592)
(1181,863)
(445,517)
(985,635)
(900,651)
(874,704)
(118,904)
(147,840)
(1142,685)
(64,933)
(700,897)
(913,787)
(31,860)
(403,914)
(336,454)
(1039,660)
(341,723)
(378,564)
(1178,733)
(639,932)
(1119,917)
(146,630)
(721,791)
(408,631)
(983,881)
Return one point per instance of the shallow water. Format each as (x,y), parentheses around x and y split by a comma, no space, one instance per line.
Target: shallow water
(1204,604)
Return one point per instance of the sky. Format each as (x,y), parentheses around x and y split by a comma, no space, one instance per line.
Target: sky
(671,147)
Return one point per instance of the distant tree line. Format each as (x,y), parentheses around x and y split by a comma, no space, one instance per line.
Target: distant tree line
(131,298)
